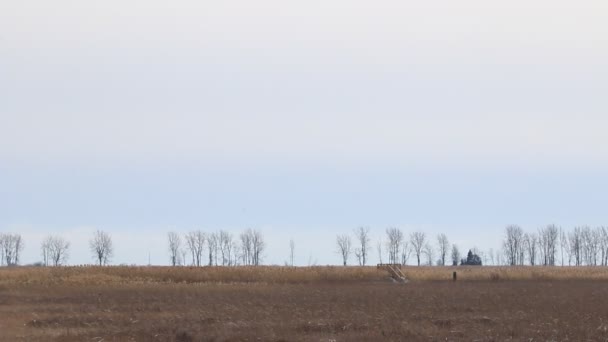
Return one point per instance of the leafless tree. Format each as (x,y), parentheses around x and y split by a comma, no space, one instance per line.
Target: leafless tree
(246,248)
(548,238)
(591,245)
(362,234)
(561,244)
(597,246)
(357,253)
(230,248)
(513,244)
(530,243)
(395,240)
(45,248)
(226,247)
(576,245)
(344,244)
(252,247)
(175,245)
(102,248)
(11,246)
(55,250)
(292,251)
(604,245)
(418,241)
(565,245)
(406,251)
(259,245)
(195,241)
(455,255)
(212,244)
(443,246)
(379,249)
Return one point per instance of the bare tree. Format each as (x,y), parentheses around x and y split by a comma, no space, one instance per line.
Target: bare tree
(590,245)
(406,251)
(252,247)
(246,248)
(379,248)
(292,251)
(362,234)
(225,247)
(102,248)
(395,240)
(565,246)
(604,245)
(513,244)
(55,250)
(455,255)
(11,246)
(357,253)
(344,247)
(561,244)
(45,249)
(18,245)
(212,243)
(418,241)
(229,247)
(576,245)
(258,245)
(597,245)
(530,243)
(1,249)
(443,246)
(195,241)
(548,239)
(175,245)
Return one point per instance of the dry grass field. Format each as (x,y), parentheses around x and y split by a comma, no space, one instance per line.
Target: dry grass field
(303,304)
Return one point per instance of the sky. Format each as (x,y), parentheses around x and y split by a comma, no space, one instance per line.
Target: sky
(303,119)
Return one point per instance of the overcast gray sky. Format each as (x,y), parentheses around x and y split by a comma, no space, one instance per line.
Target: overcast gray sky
(304,119)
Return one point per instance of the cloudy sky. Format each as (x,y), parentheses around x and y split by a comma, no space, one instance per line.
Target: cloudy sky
(304,119)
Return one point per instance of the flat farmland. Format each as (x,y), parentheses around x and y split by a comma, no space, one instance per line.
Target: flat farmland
(303,304)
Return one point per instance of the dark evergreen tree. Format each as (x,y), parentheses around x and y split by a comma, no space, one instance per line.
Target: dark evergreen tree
(471,260)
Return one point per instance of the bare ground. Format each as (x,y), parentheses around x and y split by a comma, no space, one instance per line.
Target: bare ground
(517,310)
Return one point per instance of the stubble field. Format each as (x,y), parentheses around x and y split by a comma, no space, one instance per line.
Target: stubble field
(303,304)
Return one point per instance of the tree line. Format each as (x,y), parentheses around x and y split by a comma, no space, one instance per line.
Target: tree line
(398,248)
(222,247)
(583,245)
(549,245)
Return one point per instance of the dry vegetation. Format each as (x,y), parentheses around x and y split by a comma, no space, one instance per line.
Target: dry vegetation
(309,304)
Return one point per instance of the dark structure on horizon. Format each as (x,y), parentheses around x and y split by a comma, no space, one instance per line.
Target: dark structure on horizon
(471,260)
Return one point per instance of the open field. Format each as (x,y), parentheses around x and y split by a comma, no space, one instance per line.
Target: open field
(308,304)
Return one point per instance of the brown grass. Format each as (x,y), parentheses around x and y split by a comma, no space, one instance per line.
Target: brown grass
(282,275)
(303,304)
(187,275)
